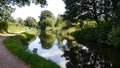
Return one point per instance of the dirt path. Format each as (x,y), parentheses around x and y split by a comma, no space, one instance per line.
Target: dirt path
(7,59)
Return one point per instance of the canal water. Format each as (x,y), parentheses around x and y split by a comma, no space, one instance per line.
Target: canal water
(70,54)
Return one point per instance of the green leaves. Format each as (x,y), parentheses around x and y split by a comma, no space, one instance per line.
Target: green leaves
(3,26)
(30,22)
(47,40)
(114,36)
(6,6)
(5,11)
(46,20)
(60,22)
(21,3)
(89,9)
(45,14)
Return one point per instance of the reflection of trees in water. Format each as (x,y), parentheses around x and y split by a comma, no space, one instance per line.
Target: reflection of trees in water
(82,58)
(59,37)
(47,40)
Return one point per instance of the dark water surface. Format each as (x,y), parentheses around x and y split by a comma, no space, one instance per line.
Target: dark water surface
(70,54)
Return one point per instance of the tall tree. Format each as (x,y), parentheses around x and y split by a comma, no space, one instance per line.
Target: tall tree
(21,3)
(89,9)
(30,22)
(20,21)
(5,11)
(48,22)
(46,19)
(45,14)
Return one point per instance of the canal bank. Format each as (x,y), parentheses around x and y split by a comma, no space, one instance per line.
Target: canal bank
(17,46)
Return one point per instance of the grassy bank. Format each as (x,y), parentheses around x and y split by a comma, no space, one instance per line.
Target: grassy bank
(15,45)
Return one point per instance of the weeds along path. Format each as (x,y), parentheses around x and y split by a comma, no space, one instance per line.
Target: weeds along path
(7,59)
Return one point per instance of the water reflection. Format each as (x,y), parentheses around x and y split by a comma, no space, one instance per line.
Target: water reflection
(54,53)
(47,40)
(70,54)
(80,56)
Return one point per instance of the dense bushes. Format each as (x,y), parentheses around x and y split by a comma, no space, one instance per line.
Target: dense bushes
(3,26)
(85,35)
(104,32)
(114,36)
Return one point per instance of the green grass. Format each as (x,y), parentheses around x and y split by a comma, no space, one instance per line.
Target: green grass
(16,27)
(15,45)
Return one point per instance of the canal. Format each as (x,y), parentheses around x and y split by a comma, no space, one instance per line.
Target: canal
(69,53)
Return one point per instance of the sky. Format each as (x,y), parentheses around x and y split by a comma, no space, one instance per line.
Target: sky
(55,6)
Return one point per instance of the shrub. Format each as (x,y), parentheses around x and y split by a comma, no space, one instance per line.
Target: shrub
(114,36)
(3,26)
(87,34)
(102,30)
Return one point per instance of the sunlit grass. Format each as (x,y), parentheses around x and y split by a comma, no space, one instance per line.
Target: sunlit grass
(16,27)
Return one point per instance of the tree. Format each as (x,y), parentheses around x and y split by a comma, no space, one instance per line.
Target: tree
(60,22)
(3,26)
(45,14)
(5,11)
(78,10)
(21,3)
(46,19)
(47,40)
(6,6)
(48,22)
(20,21)
(11,19)
(30,22)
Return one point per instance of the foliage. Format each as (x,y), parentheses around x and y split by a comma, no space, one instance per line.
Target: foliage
(19,20)
(30,22)
(59,22)
(21,3)
(3,26)
(102,30)
(59,37)
(45,14)
(5,11)
(104,12)
(114,36)
(89,24)
(14,45)
(46,20)
(90,9)
(11,19)
(86,34)
(6,6)
(102,33)
(47,40)
(13,27)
